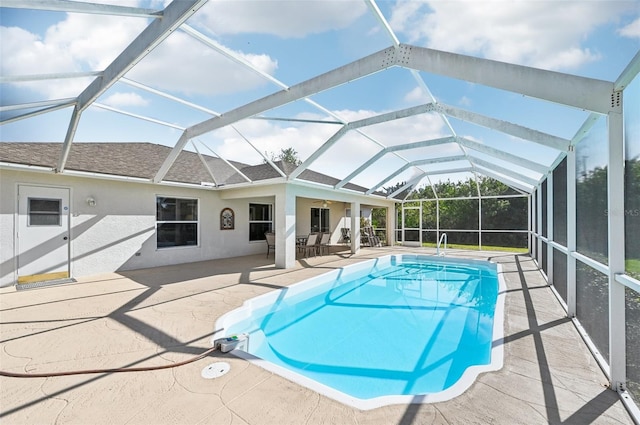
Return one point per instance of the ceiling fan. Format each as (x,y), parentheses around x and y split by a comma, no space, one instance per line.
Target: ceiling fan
(324,203)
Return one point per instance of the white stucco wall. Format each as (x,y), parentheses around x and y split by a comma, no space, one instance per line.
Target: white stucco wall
(337,217)
(119,232)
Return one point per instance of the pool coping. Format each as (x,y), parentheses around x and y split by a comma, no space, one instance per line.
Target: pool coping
(469,376)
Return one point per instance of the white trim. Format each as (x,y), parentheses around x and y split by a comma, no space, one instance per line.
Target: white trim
(628,281)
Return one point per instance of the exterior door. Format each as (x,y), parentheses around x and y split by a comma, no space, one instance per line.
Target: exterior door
(320,220)
(43,233)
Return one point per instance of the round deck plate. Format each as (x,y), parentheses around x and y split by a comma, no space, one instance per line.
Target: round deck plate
(215,370)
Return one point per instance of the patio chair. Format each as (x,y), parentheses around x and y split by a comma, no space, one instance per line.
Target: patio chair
(310,246)
(271,242)
(345,235)
(323,245)
(368,237)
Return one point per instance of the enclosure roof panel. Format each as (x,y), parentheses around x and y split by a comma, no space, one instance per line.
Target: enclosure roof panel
(365,94)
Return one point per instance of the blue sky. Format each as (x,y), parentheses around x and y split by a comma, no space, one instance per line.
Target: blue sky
(293,41)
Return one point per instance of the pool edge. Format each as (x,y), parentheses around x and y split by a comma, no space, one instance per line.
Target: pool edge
(468,378)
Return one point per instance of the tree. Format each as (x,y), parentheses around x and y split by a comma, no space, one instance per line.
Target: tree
(289,155)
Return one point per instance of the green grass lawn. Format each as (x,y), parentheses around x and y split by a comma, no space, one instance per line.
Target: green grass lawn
(476,248)
(632,267)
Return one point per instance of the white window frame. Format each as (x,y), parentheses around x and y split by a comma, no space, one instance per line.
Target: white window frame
(270,221)
(196,221)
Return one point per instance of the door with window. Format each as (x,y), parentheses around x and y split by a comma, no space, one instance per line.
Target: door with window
(42,237)
(320,220)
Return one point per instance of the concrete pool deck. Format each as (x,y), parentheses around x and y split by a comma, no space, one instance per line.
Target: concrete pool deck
(164,315)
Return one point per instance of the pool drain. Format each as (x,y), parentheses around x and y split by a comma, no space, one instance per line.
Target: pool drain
(215,370)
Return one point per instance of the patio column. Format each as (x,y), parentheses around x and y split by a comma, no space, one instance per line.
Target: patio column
(391,219)
(571,232)
(285,228)
(615,218)
(355,227)
(539,225)
(550,207)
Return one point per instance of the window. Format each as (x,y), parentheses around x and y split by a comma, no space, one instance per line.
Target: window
(44,212)
(319,219)
(176,222)
(260,221)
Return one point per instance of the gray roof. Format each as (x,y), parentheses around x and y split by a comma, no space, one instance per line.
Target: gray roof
(142,160)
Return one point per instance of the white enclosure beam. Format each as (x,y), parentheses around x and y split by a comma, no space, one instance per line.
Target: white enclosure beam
(395,148)
(505,156)
(422,162)
(571,232)
(616,251)
(410,184)
(38,112)
(377,119)
(226,162)
(71,131)
(383,22)
(565,89)
(426,174)
(41,77)
(316,154)
(584,129)
(549,230)
(204,162)
(54,102)
(629,73)
(368,65)
(82,7)
(539,225)
(229,54)
(391,116)
(138,116)
(506,127)
(146,88)
(502,170)
(501,178)
(174,15)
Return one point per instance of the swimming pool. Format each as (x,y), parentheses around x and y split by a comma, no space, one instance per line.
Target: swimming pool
(397,329)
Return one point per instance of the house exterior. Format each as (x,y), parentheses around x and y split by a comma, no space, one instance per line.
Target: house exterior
(105,214)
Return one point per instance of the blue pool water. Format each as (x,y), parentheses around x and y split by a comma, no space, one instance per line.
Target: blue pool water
(398,325)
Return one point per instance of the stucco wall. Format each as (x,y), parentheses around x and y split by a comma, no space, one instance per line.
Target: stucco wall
(119,232)
(337,218)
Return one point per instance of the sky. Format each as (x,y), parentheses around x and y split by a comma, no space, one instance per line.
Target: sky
(288,42)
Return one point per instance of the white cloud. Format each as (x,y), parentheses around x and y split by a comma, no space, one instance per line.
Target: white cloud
(417,95)
(343,157)
(125,99)
(632,30)
(286,19)
(525,32)
(76,44)
(182,64)
(94,41)
(83,42)
(465,101)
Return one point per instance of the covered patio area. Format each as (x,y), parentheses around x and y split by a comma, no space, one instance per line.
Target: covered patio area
(164,315)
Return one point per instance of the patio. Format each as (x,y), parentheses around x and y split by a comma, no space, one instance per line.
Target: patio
(163,315)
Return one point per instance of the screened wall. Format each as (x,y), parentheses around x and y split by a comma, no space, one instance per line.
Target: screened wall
(585,227)
(474,213)
(581,224)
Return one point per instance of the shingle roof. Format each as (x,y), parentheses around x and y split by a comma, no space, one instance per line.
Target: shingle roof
(122,159)
(144,159)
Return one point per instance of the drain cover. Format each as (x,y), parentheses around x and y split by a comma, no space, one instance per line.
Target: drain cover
(215,370)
